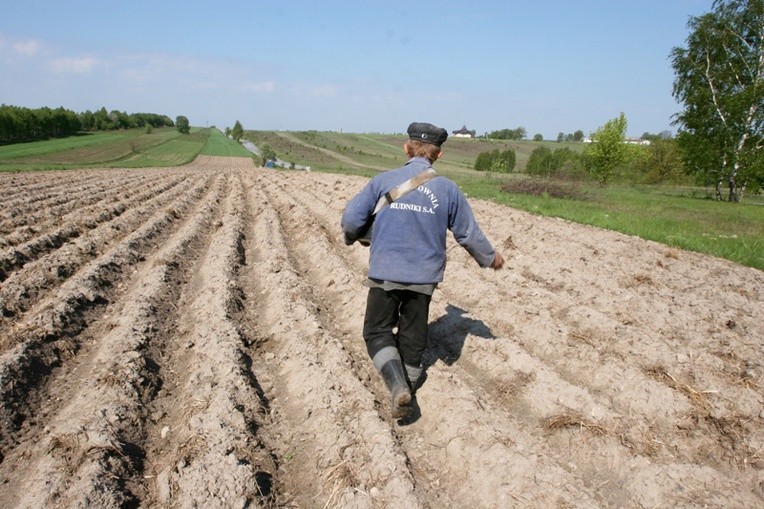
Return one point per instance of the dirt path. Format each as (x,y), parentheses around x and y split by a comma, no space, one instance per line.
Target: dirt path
(190,337)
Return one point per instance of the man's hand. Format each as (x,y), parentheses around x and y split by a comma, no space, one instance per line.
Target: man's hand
(498,261)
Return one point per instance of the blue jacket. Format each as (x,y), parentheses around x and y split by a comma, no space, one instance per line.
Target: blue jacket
(409,236)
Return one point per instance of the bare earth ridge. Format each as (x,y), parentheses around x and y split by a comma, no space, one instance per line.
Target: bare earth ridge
(190,337)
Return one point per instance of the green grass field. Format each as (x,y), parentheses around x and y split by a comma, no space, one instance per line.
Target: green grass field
(219,145)
(676,216)
(118,148)
(132,148)
(734,231)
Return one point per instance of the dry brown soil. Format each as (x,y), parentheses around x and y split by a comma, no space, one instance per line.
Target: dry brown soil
(190,337)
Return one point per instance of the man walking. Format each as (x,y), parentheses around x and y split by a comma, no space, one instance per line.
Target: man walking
(412,210)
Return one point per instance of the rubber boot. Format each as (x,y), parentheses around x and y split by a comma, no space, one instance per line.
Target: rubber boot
(395,380)
(387,361)
(413,374)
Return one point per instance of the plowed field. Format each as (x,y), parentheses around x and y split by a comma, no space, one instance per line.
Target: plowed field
(191,337)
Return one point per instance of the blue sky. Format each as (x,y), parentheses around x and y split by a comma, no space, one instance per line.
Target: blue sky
(355,66)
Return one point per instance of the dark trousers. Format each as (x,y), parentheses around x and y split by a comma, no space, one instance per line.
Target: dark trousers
(404,309)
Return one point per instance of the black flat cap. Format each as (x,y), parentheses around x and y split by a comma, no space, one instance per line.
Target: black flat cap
(427,133)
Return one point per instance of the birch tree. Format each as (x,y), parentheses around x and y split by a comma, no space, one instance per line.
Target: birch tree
(719,78)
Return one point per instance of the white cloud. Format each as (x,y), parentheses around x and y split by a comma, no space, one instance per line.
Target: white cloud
(15,50)
(28,48)
(73,65)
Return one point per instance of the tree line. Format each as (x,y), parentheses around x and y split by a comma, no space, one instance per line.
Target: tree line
(20,124)
(606,159)
(507,134)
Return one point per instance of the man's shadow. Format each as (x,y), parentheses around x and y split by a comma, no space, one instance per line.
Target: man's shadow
(445,342)
(447,335)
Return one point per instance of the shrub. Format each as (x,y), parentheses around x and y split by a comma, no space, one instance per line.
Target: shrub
(563,162)
(182,125)
(539,162)
(538,187)
(496,160)
(663,163)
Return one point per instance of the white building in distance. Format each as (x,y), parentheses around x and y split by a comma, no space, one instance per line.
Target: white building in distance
(463,133)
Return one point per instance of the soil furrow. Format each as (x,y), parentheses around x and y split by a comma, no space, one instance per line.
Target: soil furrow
(38,212)
(97,437)
(50,330)
(78,205)
(80,216)
(37,278)
(208,452)
(17,194)
(54,198)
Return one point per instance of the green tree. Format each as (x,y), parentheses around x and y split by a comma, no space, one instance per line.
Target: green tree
(238,131)
(496,160)
(182,125)
(121,120)
(19,124)
(87,119)
(543,162)
(483,161)
(664,163)
(539,162)
(719,78)
(101,119)
(267,153)
(577,136)
(508,134)
(504,162)
(635,159)
(607,150)
(538,137)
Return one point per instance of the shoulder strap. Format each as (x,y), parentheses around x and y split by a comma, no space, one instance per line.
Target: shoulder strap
(411,184)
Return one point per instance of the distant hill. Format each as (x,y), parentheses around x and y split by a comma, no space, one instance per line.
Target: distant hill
(370,153)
